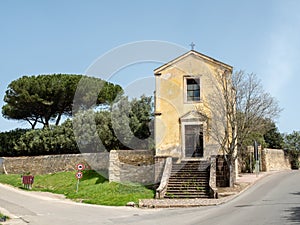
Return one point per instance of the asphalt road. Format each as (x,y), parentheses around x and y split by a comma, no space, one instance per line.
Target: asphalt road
(274,200)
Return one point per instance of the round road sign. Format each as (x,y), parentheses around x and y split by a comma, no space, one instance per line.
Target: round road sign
(80,167)
(79,175)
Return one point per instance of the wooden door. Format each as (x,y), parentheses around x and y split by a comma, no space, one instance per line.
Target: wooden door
(193,141)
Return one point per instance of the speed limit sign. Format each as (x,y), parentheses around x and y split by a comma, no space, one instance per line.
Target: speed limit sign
(79,175)
(80,167)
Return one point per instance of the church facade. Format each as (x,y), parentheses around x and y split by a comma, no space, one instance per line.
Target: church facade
(188,116)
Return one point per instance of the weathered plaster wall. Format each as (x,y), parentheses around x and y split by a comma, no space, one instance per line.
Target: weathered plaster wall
(54,163)
(275,159)
(132,166)
(170,104)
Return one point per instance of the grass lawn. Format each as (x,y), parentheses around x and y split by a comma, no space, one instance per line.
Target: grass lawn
(1,217)
(93,188)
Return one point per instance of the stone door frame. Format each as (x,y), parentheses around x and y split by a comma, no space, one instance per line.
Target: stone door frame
(192,118)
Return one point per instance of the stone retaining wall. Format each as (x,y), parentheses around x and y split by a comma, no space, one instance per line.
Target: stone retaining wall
(124,165)
(1,166)
(118,165)
(159,168)
(131,166)
(54,163)
(222,172)
(275,159)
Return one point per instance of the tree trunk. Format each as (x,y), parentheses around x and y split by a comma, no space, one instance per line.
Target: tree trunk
(33,124)
(231,168)
(46,123)
(231,175)
(58,119)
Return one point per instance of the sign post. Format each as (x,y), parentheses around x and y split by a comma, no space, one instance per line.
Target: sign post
(79,174)
(256,158)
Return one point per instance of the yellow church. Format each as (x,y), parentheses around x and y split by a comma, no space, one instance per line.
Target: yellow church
(183,113)
(188,118)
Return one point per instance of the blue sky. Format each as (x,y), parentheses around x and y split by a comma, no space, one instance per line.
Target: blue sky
(43,37)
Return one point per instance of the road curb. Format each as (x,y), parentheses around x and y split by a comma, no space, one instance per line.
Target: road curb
(265,174)
(13,219)
(184,203)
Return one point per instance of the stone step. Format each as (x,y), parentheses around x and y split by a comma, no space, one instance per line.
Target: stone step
(183,186)
(186,192)
(188,179)
(191,178)
(194,176)
(189,171)
(187,196)
(188,183)
(193,163)
(191,189)
(181,174)
(190,174)
(192,186)
(191,167)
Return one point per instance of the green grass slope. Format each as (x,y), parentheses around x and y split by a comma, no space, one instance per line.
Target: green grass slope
(93,188)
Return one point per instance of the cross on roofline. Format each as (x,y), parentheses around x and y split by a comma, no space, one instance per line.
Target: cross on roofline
(192,45)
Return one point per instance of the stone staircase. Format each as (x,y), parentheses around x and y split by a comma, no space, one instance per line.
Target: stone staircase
(189,179)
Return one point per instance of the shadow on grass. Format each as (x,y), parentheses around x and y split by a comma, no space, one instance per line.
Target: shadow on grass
(92,174)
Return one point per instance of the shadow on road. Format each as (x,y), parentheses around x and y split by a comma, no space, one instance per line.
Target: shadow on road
(294,214)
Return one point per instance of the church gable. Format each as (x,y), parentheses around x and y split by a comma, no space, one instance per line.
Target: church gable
(189,57)
(193,116)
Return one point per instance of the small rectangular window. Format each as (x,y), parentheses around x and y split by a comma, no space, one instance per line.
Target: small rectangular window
(192,89)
